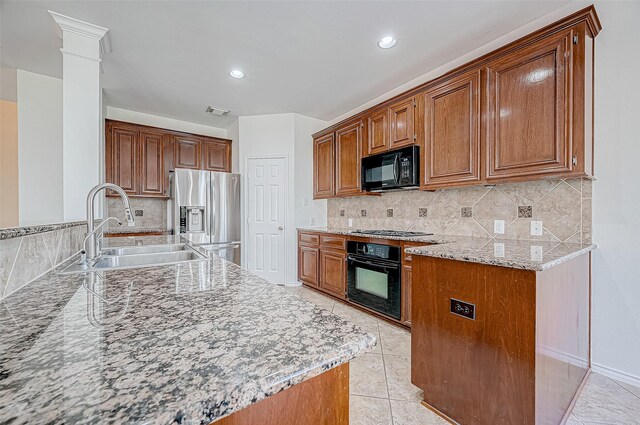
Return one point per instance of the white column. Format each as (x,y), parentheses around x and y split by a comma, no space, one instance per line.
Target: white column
(82,48)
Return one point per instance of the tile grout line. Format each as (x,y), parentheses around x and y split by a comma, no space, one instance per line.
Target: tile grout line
(13,264)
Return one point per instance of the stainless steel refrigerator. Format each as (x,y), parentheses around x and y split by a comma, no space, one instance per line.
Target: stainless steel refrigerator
(205,209)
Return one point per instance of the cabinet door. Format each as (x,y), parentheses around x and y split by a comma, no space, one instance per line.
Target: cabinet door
(333,273)
(122,150)
(323,167)
(216,155)
(406,295)
(348,156)
(529,110)
(452,132)
(377,132)
(308,265)
(186,152)
(152,162)
(401,129)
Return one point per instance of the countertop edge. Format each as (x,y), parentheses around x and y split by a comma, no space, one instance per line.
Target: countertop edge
(16,232)
(524,265)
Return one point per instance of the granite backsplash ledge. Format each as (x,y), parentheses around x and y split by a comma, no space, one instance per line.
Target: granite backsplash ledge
(24,258)
(563,206)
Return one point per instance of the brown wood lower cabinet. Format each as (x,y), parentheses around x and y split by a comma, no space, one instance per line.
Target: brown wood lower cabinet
(333,272)
(520,359)
(308,262)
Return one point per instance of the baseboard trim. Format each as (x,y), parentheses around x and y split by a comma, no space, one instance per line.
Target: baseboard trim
(618,375)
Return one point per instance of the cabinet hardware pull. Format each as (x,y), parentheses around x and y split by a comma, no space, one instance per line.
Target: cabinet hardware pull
(574,160)
(575,39)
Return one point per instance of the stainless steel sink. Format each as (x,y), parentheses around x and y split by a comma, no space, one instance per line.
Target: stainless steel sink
(132,257)
(148,249)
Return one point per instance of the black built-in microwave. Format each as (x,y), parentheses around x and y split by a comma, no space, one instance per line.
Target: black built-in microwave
(399,169)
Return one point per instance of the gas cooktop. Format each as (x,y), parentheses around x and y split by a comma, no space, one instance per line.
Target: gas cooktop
(398,233)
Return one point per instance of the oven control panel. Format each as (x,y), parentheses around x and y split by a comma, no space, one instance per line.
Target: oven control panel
(374,250)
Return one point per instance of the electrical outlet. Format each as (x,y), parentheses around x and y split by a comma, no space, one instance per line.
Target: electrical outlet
(536,228)
(498,250)
(138,213)
(498,227)
(313,221)
(350,222)
(536,253)
(305,202)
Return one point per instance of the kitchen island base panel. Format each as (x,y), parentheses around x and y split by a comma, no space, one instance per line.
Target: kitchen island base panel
(519,357)
(322,400)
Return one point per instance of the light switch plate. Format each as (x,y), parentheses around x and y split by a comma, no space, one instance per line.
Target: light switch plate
(350,222)
(536,253)
(498,249)
(536,228)
(498,227)
(305,202)
(313,221)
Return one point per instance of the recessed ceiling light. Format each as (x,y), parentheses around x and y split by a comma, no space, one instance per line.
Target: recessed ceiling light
(236,73)
(387,42)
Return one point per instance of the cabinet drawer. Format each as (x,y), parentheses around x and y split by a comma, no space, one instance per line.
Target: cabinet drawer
(336,242)
(309,238)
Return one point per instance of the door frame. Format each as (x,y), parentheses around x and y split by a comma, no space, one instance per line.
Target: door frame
(245,215)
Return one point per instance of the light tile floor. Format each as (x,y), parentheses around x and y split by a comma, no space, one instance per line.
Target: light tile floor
(382,393)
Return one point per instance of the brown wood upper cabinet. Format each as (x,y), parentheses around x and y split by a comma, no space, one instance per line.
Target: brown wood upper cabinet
(452,132)
(323,167)
(521,112)
(187,152)
(216,155)
(377,132)
(152,164)
(121,157)
(138,158)
(529,110)
(401,128)
(348,149)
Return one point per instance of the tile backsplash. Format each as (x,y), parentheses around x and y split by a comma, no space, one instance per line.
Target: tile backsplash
(24,258)
(563,206)
(149,213)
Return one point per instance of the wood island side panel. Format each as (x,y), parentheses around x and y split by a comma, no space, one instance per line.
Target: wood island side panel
(322,400)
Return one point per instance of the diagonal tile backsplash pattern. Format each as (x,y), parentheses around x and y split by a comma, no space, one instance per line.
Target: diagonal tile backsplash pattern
(24,258)
(154,212)
(563,206)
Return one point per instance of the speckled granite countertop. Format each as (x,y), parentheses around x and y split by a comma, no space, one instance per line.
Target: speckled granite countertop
(518,254)
(123,230)
(185,343)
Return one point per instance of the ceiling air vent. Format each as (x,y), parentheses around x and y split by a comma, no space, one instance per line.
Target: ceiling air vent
(217,111)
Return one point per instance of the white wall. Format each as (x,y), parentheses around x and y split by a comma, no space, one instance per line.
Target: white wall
(164,122)
(39,148)
(307,211)
(616,197)
(233,133)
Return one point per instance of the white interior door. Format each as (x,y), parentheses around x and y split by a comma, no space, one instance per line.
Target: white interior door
(266,190)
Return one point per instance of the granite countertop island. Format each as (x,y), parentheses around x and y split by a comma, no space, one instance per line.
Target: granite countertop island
(186,343)
(518,254)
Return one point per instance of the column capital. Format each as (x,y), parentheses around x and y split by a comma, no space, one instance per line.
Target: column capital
(76,29)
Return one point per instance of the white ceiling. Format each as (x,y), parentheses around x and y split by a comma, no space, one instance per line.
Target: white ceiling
(318,59)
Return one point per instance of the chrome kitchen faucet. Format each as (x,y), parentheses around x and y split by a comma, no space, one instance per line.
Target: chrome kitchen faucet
(91,241)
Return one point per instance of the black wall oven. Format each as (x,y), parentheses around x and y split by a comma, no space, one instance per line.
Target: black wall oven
(398,169)
(374,277)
